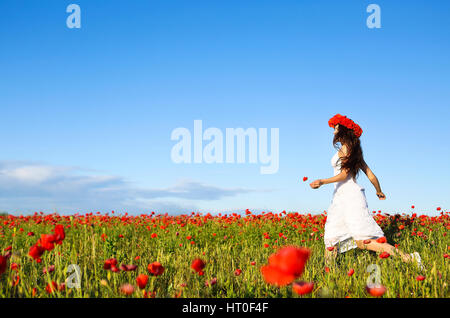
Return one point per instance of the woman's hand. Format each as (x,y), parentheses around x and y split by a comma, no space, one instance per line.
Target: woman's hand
(381,195)
(316,184)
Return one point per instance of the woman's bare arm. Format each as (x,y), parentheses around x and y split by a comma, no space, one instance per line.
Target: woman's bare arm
(374,180)
(337,178)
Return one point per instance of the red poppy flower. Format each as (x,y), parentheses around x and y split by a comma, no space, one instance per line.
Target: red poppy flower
(3,264)
(420,278)
(155,268)
(59,235)
(46,242)
(367,241)
(290,260)
(347,122)
(149,294)
(142,281)
(238,272)
(51,287)
(198,265)
(382,240)
(285,265)
(385,255)
(36,252)
(61,286)
(112,262)
(305,179)
(15,281)
(302,288)
(49,269)
(376,291)
(115,269)
(128,268)
(274,276)
(331,248)
(127,289)
(351,272)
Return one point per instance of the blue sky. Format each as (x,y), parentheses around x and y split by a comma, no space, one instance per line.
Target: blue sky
(87,114)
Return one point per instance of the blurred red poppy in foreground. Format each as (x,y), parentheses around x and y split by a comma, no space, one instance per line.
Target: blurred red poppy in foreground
(128,268)
(53,286)
(302,288)
(3,263)
(197,265)
(127,289)
(155,268)
(285,265)
(110,263)
(59,235)
(47,242)
(420,278)
(385,255)
(142,281)
(376,291)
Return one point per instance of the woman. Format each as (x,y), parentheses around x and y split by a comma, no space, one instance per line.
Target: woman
(349,223)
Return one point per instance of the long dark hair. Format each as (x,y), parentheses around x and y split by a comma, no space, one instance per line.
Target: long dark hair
(354,161)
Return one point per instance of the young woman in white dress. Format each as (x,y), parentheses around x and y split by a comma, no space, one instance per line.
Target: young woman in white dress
(349,223)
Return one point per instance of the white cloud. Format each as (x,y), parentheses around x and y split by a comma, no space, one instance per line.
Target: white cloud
(30,186)
(29,174)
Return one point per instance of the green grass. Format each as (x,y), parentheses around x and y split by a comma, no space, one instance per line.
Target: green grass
(244,243)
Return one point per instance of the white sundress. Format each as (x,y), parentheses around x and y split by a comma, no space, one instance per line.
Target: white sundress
(348,217)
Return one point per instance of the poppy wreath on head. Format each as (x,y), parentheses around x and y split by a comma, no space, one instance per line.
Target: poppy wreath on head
(347,122)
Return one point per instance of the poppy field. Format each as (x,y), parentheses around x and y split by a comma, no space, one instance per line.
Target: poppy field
(214,256)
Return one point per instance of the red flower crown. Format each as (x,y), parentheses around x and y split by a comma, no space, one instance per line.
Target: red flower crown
(347,122)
